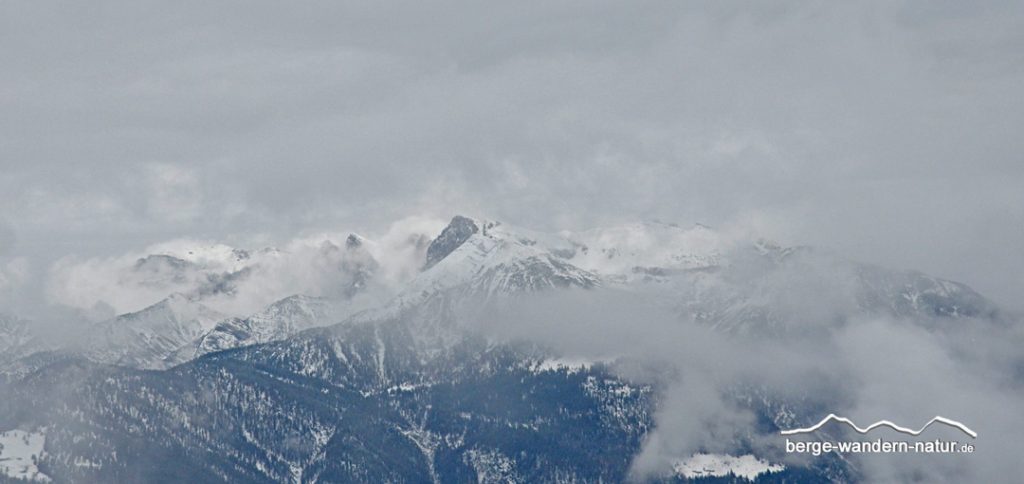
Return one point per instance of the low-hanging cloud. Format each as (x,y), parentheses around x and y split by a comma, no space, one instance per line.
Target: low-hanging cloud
(240,281)
(868,368)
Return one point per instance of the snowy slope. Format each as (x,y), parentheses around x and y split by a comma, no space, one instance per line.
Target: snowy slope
(647,247)
(147,338)
(482,259)
(16,339)
(280,320)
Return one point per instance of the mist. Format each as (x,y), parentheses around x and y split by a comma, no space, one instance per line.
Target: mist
(884,130)
(228,152)
(865,368)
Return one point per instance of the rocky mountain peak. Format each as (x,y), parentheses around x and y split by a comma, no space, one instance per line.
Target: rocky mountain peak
(458,231)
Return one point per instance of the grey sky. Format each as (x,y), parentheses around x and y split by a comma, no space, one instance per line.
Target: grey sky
(888,131)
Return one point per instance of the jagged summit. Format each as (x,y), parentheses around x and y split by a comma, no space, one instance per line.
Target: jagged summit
(459,230)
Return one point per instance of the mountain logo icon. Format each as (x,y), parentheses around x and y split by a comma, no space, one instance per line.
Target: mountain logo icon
(883,423)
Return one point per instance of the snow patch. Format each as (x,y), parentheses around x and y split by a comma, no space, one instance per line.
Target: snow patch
(491,466)
(19,452)
(569,364)
(717,465)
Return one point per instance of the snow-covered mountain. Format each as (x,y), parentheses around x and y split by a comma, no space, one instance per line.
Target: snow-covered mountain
(767,289)
(280,320)
(234,281)
(733,285)
(478,259)
(16,338)
(148,338)
(610,253)
(696,272)
(210,286)
(399,388)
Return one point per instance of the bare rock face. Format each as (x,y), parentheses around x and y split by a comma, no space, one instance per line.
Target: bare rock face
(458,231)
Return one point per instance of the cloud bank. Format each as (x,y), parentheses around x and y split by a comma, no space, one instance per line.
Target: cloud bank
(237,281)
(869,368)
(885,130)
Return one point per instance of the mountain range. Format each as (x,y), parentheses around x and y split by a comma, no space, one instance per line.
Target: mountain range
(331,388)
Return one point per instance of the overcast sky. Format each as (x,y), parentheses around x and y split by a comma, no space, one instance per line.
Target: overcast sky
(890,132)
